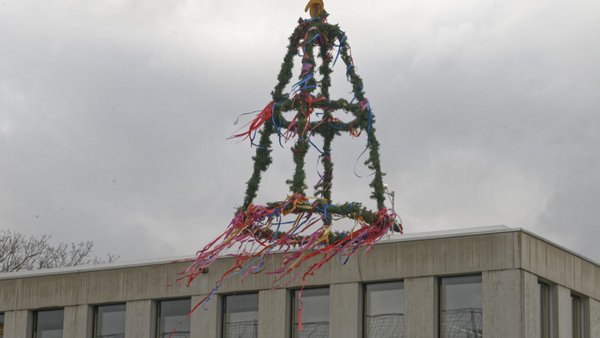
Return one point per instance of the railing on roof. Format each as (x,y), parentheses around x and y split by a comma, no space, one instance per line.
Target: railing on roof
(389,325)
(245,329)
(312,330)
(462,323)
(176,334)
(113,335)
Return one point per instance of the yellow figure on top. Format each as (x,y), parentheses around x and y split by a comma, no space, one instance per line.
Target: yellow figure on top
(316,8)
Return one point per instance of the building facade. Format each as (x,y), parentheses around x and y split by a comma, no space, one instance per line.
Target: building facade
(493,282)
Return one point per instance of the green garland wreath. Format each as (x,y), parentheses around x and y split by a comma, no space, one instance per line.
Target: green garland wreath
(308,34)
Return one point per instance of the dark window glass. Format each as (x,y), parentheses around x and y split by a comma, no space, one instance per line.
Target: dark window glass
(384,310)
(579,315)
(315,313)
(48,324)
(545,311)
(173,319)
(1,325)
(460,307)
(110,321)
(240,316)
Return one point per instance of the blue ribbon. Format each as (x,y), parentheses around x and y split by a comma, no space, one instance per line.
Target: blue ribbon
(314,145)
(342,45)
(275,124)
(350,66)
(303,81)
(313,38)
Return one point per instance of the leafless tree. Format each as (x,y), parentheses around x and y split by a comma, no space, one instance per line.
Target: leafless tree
(19,252)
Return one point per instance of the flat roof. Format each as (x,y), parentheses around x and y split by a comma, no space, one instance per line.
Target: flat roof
(391,238)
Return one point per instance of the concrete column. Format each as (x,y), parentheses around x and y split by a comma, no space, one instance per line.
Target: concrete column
(502,304)
(421,316)
(78,321)
(345,310)
(594,318)
(531,299)
(205,323)
(17,324)
(140,319)
(273,313)
(564,312)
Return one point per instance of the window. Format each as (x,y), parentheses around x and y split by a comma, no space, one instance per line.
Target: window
(48,324)
(460,307)
(1,325)
(579,316)
(109,321)
(173,319)
(384,310)
(240,316)
(314,305)
(545,310)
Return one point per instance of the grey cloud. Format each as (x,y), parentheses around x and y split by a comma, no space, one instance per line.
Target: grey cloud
(114,115)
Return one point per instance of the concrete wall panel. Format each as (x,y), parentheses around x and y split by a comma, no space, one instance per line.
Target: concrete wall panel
(17,324)
(47,291)
(273,312)
(564,312)
(594,318)
(502,304)
(9,292)
(140,317)
(345,315)
(530,301)
(559,266)
(439,256)
(420,316)
(134,283)
(206,321)
(78,321)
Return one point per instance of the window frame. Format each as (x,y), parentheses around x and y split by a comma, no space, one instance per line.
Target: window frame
(95,316)
(158,305)
(294,299)
(34,321)
(547,307)
(439,301)
(364,299)
(223,308)
(3,316)
(580,329)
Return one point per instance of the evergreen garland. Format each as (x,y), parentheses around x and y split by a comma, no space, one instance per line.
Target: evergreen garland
(308,34)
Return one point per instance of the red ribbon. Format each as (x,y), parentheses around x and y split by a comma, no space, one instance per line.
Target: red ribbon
(258,121)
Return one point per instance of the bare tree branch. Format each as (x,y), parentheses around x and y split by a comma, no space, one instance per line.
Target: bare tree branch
(18,252)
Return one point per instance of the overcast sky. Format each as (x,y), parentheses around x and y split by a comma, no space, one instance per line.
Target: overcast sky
(114,115)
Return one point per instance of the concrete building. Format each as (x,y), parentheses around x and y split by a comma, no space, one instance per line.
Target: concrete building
(492,282)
